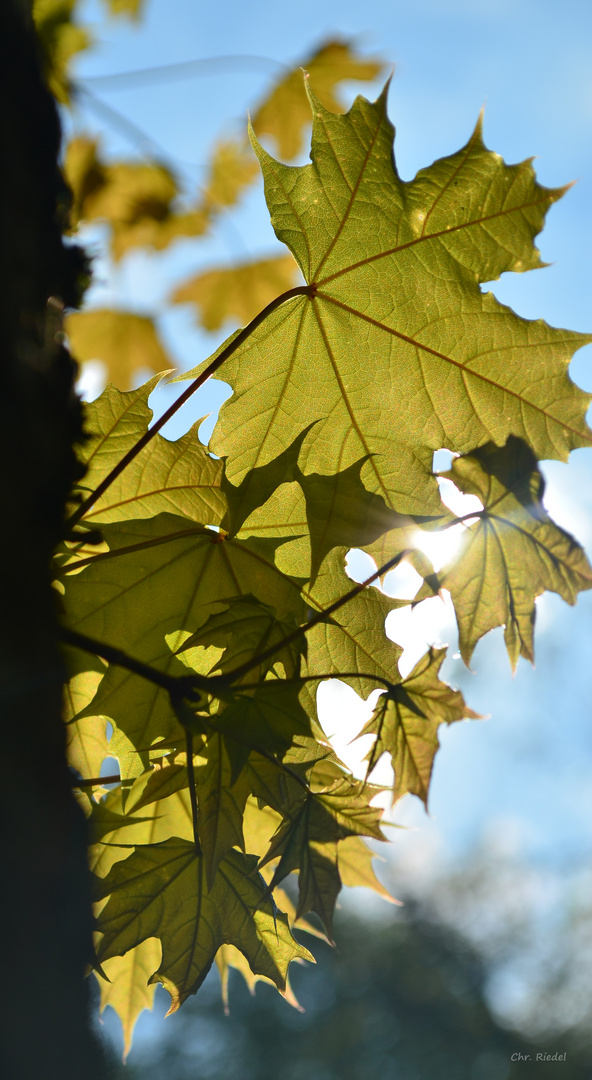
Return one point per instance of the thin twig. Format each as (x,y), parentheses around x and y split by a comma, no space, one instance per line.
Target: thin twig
(184,69)
(98,781)
(113,655)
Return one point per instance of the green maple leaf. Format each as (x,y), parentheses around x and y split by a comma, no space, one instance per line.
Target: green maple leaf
(406,721)
(353,639)
(307,841)
(155,585)
(395,351)
(160,891)
(175,477)
(511,554)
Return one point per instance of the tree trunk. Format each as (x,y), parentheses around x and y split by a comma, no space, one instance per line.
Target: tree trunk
(45,915)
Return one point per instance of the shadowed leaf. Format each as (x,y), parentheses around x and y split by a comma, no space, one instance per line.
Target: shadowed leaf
(160,891)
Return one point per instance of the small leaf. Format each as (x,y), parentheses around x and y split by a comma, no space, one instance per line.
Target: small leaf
(132,8)
(60,39)
(237,292)
(285,114)
(126,343)
(160,891)
(178,477)
(511,554)
(406,720)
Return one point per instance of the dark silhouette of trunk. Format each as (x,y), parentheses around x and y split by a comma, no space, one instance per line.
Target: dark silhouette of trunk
(45,915)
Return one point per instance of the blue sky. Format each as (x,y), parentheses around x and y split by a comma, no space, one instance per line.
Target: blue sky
(528,62)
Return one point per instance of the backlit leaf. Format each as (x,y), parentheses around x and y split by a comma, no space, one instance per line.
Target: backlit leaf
(128,991)
(406,721)
(395,336)
(160,891)
(307,842)
(511,554)
(178,477)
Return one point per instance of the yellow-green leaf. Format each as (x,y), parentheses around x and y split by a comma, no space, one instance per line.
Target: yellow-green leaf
(511,554)
(406,720)
(237,292)
(128,991)
(232,167)
(176,477)
(60,39)
(126,343)
(160,891)
(395,337)
(285,114)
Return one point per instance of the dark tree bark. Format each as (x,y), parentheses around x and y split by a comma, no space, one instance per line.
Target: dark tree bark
(45,914)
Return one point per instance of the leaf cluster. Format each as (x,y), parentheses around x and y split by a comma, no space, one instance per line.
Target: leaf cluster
(204,589)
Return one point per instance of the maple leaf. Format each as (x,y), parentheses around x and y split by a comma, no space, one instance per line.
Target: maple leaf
(175,570)
(230,169)
(510,554)
(237,292)
(160,891)
(307,841)
(395,336)
(125,342)
(406,719)
(178,477)
(285,113)
(128,991)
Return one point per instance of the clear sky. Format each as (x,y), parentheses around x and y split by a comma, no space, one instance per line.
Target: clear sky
(528,62)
